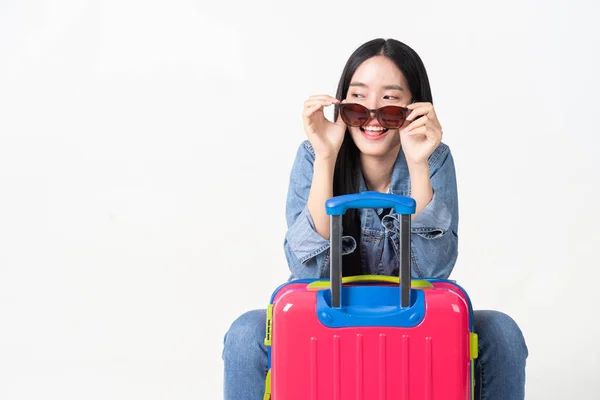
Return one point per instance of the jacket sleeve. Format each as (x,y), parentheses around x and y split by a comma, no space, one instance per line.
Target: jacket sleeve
(306,251)
(434,231)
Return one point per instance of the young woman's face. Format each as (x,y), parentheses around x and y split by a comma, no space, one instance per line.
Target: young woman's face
(376,83)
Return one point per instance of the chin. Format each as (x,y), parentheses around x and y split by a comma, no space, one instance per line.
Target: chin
(376,148)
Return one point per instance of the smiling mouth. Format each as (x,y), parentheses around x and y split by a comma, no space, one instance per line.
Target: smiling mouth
(373,130)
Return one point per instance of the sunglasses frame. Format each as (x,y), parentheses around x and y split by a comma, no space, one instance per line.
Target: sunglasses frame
(405,110)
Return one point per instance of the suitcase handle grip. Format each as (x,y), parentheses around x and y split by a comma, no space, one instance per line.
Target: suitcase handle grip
(337,206)
(340,204)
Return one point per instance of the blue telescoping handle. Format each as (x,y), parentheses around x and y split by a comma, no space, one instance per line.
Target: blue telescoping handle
(340,204)
(337,206)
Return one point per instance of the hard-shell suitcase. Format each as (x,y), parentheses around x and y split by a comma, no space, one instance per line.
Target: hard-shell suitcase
(370,337)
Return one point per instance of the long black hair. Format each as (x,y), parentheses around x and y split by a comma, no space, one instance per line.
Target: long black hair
(347,166)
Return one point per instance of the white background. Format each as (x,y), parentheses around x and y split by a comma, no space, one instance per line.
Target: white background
(145,149)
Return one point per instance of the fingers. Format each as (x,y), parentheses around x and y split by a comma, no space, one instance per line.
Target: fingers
(324,102)
(313,107)
(416,124)
(316,103)
(310,110)
(434,136)
(423,121)
(321,97)
(422,130)
(419,109)
(412,106)
(424,125)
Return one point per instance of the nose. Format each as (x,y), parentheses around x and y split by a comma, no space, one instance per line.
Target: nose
(372,115)
(373,104)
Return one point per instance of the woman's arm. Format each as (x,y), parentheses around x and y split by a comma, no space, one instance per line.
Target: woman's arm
(435,227)
(420,185)
(305,245)
(321,189)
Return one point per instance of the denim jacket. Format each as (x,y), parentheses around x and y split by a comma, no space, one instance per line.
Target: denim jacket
(434,239)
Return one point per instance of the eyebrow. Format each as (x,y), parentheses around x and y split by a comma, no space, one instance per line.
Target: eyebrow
(387,87)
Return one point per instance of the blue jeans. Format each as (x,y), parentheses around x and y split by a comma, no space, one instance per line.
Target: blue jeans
(502,355)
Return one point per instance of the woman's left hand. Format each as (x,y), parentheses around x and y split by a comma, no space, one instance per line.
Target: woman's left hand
(422,135)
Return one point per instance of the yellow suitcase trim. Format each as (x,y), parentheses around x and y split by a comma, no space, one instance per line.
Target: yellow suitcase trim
(474,346)
(269,325)
(324,284)
(267,395)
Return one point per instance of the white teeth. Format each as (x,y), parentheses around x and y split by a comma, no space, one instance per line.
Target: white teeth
(374,128)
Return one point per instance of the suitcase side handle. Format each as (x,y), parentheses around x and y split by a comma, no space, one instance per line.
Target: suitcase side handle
(337,206)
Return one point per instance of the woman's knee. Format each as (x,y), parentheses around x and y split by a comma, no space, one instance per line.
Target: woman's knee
(246,333)
(500,331)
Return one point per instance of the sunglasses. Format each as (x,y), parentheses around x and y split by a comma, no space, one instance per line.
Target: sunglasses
(389,117)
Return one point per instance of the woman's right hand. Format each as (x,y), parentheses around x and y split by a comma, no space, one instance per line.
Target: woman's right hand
(326,137)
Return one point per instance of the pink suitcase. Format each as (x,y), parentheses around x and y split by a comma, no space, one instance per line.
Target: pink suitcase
(368,337)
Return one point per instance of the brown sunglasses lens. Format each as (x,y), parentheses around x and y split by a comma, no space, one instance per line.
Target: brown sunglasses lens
(391,117)
(354,114)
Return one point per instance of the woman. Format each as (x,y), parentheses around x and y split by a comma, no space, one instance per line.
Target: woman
(368,152)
